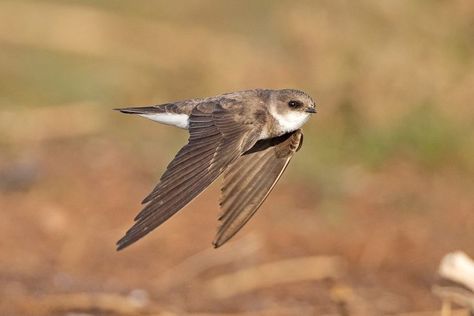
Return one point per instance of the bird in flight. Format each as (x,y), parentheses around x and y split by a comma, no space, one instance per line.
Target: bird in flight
(248,136)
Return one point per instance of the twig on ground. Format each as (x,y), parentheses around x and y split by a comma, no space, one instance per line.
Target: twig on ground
(458,312)
(275,273)
(194,265)
(84,302)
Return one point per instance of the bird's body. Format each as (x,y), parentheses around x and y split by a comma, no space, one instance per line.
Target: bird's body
(250,136)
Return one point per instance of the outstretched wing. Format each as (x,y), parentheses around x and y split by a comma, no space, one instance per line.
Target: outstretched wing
(251,178)
(216,140)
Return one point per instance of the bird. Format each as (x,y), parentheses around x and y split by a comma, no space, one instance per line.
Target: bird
(248,136)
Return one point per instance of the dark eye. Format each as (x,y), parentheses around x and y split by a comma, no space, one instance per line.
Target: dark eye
(294,104)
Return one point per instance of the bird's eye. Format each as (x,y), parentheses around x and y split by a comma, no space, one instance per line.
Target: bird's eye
(294,104)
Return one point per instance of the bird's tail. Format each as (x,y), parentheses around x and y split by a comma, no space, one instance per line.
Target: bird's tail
(143,109)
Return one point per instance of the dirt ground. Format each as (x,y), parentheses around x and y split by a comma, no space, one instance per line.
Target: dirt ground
(64,209)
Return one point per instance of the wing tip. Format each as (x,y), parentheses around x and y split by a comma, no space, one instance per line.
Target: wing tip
(126,241)
(220,240)
(216,244)
(121,244)
(147,199)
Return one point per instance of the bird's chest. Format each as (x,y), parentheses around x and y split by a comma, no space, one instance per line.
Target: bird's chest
(279,124)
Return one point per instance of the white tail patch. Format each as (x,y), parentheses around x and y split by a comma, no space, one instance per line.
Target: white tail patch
(178,120)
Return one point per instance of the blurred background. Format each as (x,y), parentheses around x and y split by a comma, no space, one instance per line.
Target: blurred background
(382,188)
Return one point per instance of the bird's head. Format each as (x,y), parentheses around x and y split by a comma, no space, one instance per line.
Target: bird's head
(291,108)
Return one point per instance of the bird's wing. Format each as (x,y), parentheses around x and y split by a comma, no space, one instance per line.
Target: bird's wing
(216,140)
(249,180)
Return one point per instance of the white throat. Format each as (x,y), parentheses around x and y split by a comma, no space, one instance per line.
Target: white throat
(290,121)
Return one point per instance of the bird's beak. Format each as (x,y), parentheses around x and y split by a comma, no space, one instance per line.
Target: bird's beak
(310,110)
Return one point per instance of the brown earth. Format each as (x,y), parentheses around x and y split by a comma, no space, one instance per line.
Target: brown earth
(389,230)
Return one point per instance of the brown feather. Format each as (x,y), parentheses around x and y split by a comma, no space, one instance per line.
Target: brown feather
(211,148)
(250,179)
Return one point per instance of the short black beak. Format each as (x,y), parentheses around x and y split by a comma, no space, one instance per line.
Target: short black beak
(311,110)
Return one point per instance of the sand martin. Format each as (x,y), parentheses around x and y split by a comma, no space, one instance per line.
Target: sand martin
(249,136)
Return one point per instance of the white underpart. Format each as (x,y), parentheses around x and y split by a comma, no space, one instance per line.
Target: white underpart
(178,120)
(291,120)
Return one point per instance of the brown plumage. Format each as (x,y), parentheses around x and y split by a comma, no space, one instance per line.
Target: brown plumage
(249,180)
(245,135)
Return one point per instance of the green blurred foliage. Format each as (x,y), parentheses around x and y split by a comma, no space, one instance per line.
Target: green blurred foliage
(393,79)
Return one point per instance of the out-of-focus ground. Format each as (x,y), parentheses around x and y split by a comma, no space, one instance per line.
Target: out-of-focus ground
(382,188)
